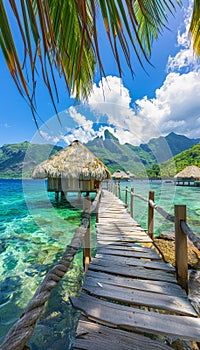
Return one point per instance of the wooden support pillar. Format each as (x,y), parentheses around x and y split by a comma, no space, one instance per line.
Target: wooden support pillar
(131,202)
(151,216)
(62,195)
(79,196)
(126,195)
(57,196)
(86,238)
(181,253)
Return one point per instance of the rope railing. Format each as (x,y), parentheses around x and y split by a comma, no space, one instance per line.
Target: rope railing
(23,329)
(182,230)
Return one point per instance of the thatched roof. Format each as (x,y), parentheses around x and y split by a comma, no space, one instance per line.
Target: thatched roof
(120,174)
(130,174)
(192,171)
(74,161)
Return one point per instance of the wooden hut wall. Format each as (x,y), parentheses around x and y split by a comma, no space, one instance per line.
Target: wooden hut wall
(73,185)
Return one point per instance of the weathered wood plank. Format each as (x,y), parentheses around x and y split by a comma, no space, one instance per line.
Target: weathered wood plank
(103,240)
(132,283)
(136,272)
(113,230)
(92,336)
(134,319)
(174,304)
(158,265)
(127,246)
(122,238)
(129,253)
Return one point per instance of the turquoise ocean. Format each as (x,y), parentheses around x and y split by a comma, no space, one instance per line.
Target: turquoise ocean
(34,233)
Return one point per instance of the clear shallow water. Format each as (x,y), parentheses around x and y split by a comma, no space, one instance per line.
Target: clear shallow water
(34,232)
(166,196)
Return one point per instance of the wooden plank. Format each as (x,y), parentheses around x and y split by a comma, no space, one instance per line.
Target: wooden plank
(146,285)
(136,272)
(127,317)
(125,236)
(104,240)
(128,253)
(107,231)
(128,246)
(158,265)
(120,294)
(92,336)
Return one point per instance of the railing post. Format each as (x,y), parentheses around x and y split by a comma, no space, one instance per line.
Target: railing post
(151,216)
(97,207)
(131,202)
(119,190)
(86,238)
(126,195)
(181,254)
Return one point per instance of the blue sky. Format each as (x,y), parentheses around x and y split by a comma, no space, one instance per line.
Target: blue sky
(164,100)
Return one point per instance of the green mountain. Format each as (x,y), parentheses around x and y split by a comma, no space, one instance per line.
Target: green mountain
(164,148)
(116,156)
(177,163)
(15,157)
(181,160)
(140,160)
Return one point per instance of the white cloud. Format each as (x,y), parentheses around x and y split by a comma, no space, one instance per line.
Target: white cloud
(185,58)
(176,106)
(47,137)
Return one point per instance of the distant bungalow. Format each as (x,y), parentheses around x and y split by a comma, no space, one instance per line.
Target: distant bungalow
(73,169)
(188,176)
(122,175)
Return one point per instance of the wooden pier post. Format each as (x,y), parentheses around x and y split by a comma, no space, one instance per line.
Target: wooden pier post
(151,216)
(126,195)
(62,195)
(119,190)
(57,196)
(131,201)
(181,254)
(86,238)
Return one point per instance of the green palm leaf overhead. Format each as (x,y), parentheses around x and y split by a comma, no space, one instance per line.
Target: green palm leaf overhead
(60,37)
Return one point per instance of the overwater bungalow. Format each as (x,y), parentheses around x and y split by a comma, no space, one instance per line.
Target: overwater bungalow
(188,176)
(131,175)
(121,175)
(73,169)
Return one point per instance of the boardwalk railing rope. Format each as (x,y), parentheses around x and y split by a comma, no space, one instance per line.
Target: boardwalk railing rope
(23,329)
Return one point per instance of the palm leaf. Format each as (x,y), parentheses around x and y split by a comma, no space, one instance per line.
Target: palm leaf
(63,36)
(195,27)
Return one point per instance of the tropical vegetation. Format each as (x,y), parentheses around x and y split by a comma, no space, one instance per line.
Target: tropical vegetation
(53,37)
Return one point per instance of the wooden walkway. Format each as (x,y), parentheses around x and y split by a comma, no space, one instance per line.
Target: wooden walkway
(128,289)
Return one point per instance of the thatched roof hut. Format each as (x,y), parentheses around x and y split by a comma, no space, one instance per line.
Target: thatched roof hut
(74,168)
(120,175)
(191,174)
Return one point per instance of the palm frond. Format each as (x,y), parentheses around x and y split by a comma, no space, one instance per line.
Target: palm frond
(62,36)
(195,27)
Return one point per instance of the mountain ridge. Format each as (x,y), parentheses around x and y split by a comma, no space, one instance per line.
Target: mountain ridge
(140,160)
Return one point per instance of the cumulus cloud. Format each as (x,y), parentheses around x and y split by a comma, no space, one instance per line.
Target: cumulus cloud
(185,58)
(176,106)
